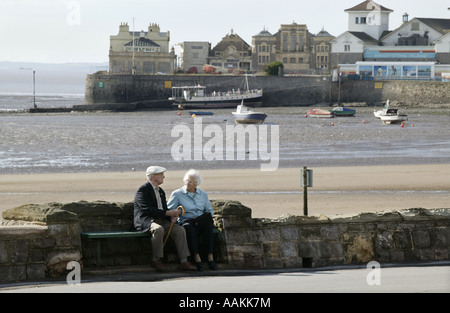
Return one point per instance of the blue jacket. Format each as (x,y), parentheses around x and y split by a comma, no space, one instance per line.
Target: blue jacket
(195,205)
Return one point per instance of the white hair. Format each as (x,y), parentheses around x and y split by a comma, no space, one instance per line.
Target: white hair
(195,174)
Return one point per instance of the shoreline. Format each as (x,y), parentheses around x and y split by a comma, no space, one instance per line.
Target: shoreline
(336,190)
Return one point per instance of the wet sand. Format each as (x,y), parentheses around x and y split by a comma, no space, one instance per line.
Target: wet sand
(336,190)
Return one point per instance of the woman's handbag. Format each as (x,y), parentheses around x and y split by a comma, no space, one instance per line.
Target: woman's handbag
(201,221)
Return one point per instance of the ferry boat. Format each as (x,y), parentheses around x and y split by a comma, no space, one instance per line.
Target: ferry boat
(195,97)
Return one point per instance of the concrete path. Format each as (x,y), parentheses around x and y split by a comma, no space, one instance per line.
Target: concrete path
(415,278)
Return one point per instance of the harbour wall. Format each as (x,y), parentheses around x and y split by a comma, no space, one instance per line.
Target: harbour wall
(132,92)
(38,241)
(153,91)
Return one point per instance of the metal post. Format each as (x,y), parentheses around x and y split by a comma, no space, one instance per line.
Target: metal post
(305,191)
(34,89)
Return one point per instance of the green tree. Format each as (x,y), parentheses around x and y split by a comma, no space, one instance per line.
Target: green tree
(273,68)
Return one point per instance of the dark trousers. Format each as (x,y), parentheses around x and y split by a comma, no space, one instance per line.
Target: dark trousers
(192,236)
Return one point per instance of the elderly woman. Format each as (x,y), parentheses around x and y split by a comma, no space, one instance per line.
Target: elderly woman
(198,217)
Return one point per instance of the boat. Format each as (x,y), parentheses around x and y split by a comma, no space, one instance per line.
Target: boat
(378,113)
(246,115)
(320,113)
(196,97)
(196,113)
(390,116)
(342,111)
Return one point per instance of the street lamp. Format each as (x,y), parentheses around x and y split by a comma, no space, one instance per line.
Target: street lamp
(34,89)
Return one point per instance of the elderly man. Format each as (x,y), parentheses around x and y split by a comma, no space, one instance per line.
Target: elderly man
(151,214)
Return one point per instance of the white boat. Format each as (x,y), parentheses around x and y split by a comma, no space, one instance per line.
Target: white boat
(390,116)
(246,115)
(195,97)
(378,113)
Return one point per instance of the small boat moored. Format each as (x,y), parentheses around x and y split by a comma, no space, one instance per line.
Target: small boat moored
(320,113)
(342,111)
(196,113)
(390,116)
(246,115)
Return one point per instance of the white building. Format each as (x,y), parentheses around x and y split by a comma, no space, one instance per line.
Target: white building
(370,40)
(194,55)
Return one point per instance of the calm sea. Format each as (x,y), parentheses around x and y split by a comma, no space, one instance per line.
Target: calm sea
(90,142)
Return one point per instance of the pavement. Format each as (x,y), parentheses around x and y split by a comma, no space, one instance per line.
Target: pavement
(433,277)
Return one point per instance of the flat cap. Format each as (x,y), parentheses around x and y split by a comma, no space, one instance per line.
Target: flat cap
(155,170)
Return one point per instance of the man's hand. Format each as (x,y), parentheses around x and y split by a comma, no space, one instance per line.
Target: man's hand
(173,213)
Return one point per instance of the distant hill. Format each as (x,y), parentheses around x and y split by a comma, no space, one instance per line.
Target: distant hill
(68,67)
(66,78)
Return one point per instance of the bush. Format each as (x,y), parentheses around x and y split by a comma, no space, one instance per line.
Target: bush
(272,69)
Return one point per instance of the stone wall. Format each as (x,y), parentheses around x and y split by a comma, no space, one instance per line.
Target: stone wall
(408,93)
(149,91)
(298,241)
(36,248)
(37,241)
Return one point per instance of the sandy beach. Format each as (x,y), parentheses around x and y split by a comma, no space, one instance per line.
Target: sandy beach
(336,190)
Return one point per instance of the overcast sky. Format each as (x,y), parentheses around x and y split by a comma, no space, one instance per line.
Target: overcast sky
(60,31)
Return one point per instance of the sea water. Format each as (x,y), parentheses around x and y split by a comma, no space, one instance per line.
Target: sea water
(92,142)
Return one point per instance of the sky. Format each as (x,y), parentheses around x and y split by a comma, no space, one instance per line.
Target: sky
(66,31)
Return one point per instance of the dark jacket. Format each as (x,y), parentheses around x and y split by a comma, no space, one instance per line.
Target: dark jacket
(146,207)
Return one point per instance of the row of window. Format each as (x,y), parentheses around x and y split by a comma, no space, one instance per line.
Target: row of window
(143,49)
(265,48)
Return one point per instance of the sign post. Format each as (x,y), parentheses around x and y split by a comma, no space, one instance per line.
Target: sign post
(306,179)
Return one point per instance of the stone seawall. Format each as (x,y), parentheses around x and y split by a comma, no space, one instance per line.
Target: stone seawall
(37,241)
(408,93)
(152,91)
(149,91)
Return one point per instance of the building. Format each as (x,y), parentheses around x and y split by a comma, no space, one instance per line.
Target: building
(321,43)
(264,48)
(194,55)
(141,52)
(232,54)
(367,22)
(417,49)
(295,47)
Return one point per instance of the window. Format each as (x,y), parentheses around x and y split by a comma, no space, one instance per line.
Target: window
(284,60)
(285,42)
(415,26)
(347,48)
(300,60)
(302,43)
(363,20)
(292,60)
(293,43)
(356,20)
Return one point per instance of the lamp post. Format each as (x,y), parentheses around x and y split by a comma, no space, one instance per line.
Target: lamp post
(34,89)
